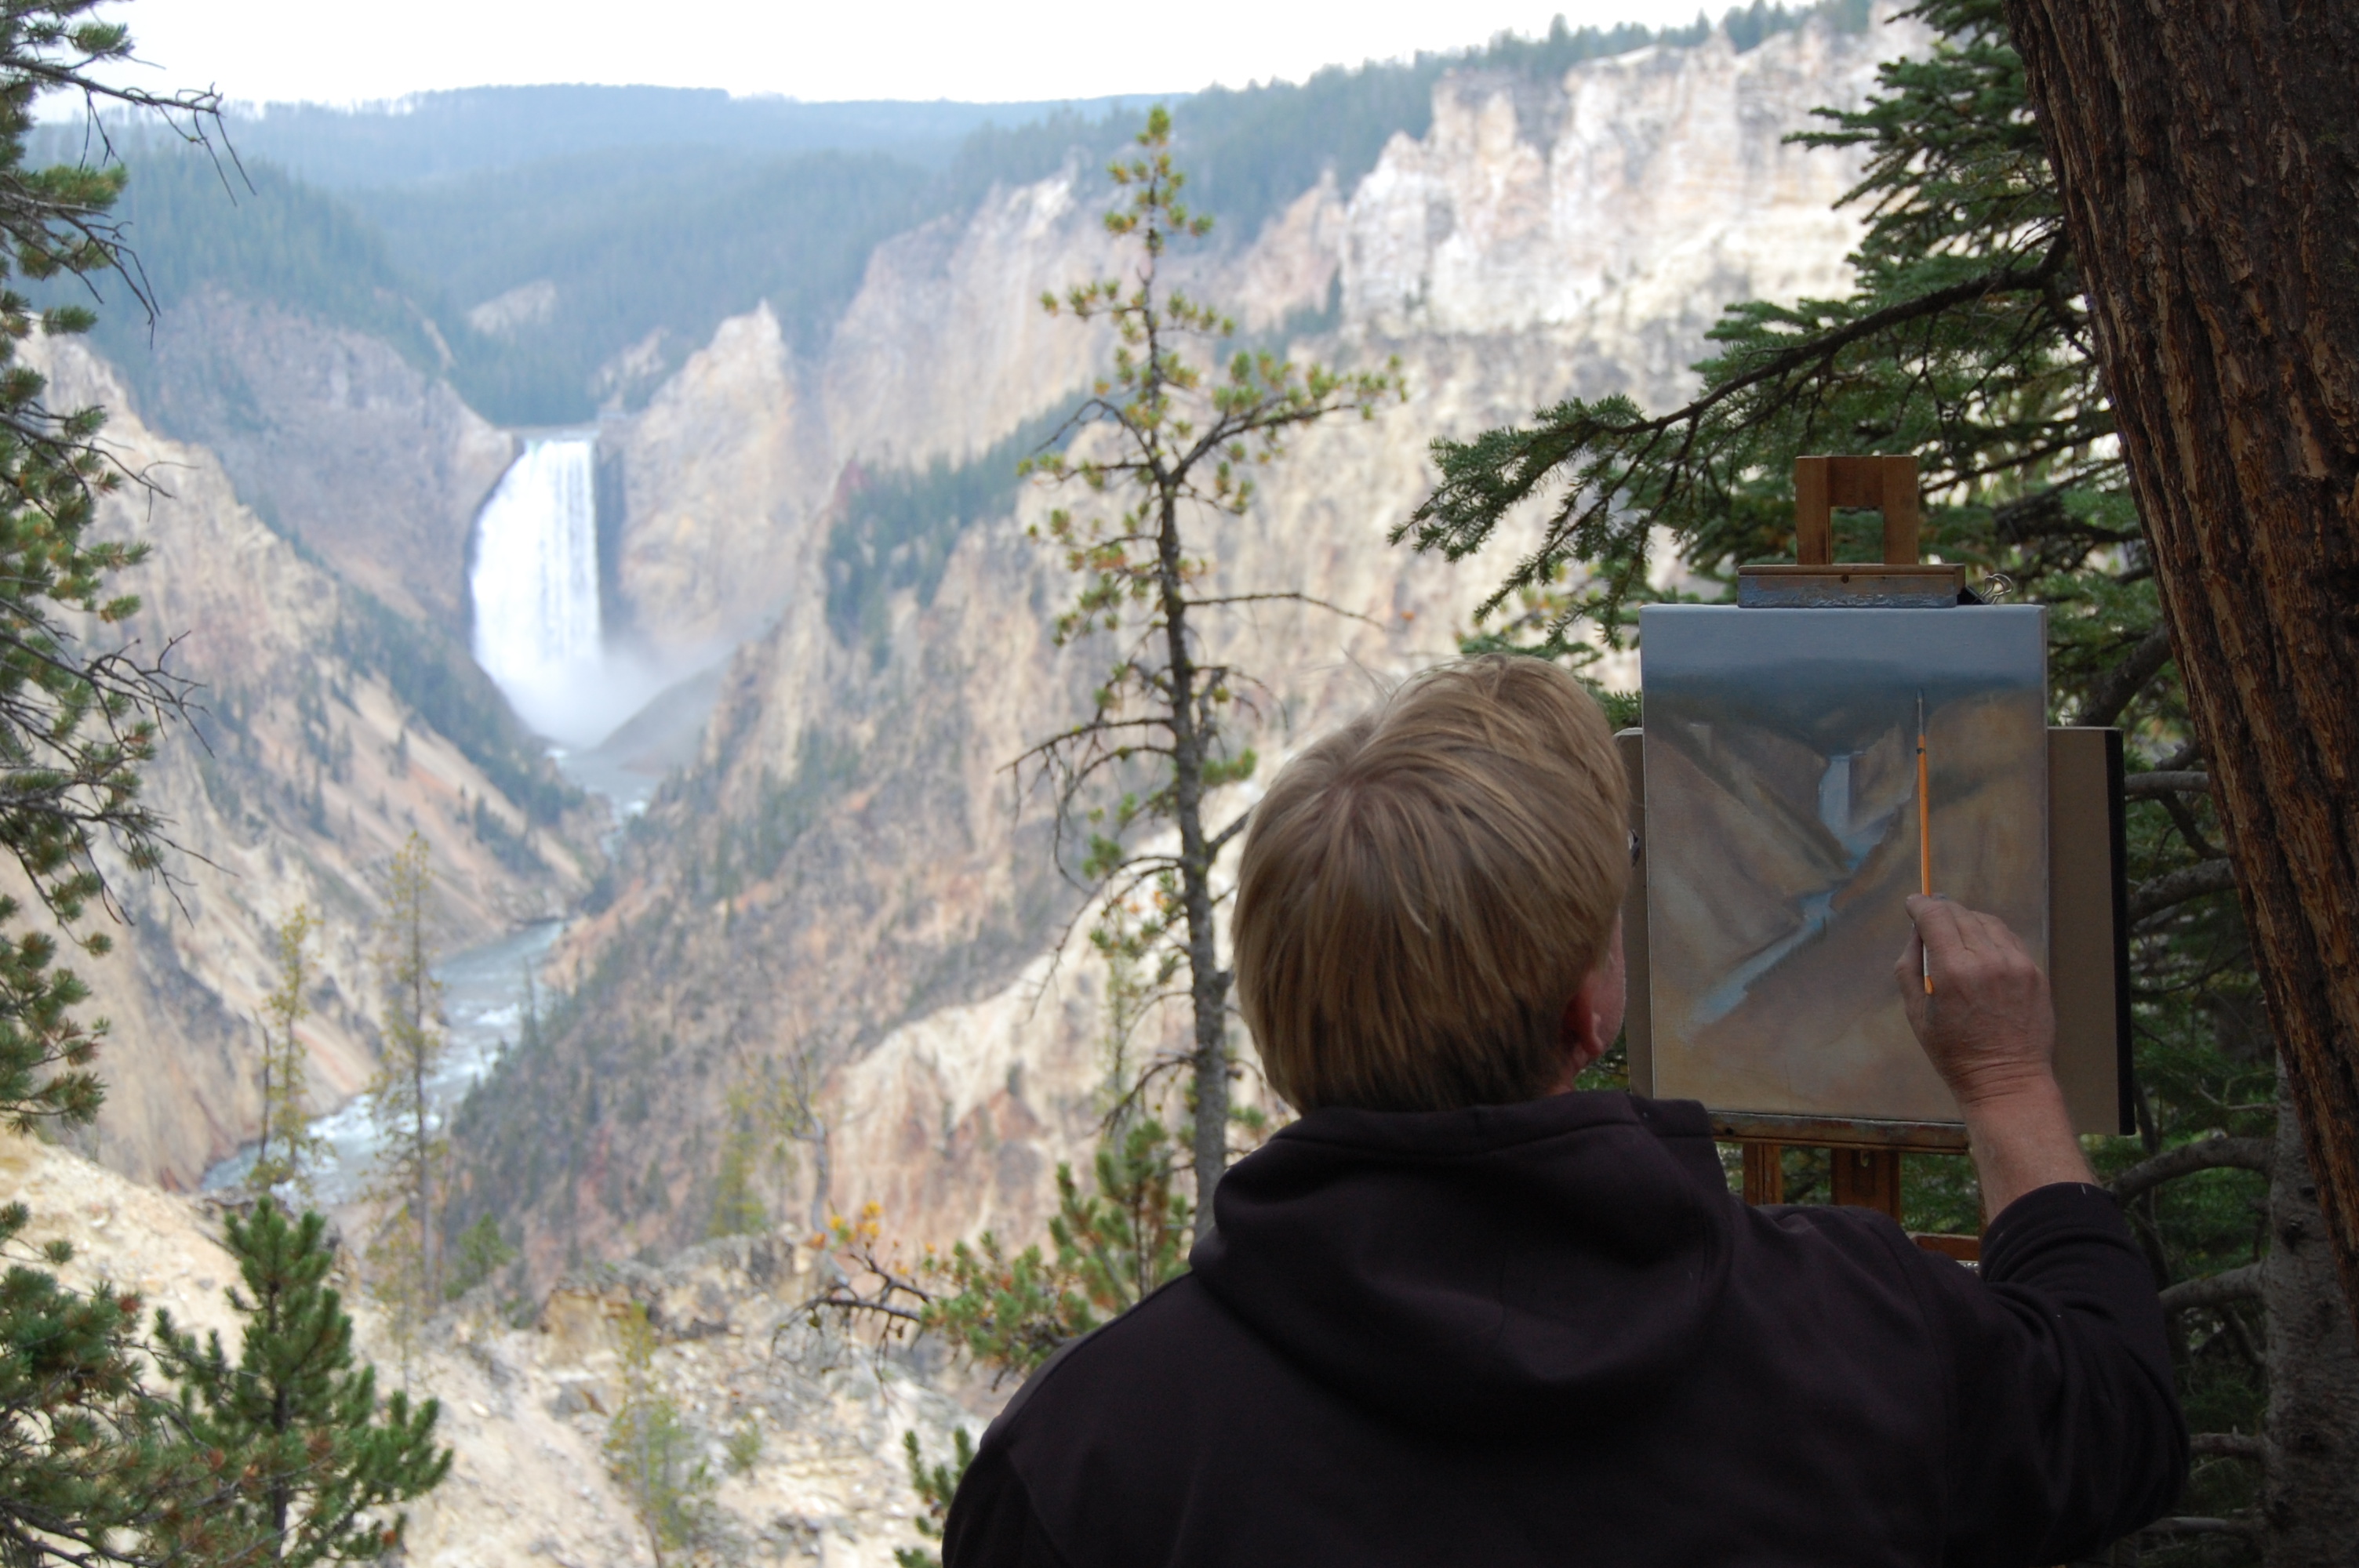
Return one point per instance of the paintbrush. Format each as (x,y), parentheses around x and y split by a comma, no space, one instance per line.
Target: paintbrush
(1924,835)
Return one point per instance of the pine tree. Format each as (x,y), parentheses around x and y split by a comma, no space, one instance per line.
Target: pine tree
(81,1454)
(483,1252)
(1180,441)
(85,1450)
(288,1146)
(2217,267)
(313,1461)
(772,1113)
(936,1485)
(78,719)
(405,1267)
(653,1455)
(1108,1250)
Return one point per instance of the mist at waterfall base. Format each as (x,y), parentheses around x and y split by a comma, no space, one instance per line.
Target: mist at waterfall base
(540,631)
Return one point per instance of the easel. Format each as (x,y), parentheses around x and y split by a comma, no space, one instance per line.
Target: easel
(2087,862)
(1864,1158)
(1816,580)
(1864,1173)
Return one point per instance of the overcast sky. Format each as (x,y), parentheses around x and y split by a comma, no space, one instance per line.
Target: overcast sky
(357,50)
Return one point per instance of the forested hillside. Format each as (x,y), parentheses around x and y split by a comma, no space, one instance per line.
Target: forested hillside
(437,135)
(558,251)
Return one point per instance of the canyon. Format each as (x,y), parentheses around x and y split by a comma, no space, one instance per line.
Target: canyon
(852,888)
(845,881)
(305,765)
(845,898)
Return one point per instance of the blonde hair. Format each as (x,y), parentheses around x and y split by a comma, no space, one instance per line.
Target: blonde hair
(1424,890)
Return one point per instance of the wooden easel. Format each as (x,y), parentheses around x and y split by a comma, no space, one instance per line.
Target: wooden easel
(1816,580)
(1864,1159)
(2087,861)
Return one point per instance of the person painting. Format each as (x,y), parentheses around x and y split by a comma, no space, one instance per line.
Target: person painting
(1462,1312)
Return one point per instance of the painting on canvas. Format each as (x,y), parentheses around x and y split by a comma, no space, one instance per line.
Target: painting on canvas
(1781,837)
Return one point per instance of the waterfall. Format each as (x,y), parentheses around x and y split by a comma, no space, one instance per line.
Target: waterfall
(535,589)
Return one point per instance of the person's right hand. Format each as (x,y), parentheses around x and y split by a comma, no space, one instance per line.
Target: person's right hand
(1990,1032)
(1988,1026)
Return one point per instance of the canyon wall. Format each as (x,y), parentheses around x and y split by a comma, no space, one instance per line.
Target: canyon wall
(334,439)
(300,772)
(852,892)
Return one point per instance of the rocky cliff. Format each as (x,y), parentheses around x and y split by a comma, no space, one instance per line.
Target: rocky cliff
(526,1405)
(849,894)
(334,439)
(307,763)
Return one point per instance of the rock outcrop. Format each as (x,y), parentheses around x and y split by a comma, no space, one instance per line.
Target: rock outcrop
(1627,207)
(527,1408)
(854,891)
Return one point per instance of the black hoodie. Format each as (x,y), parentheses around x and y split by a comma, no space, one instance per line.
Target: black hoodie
(1546,1334)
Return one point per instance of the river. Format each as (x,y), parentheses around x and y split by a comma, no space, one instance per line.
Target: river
(483,991)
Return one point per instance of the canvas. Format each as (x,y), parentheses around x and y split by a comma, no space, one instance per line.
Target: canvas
(1781,837)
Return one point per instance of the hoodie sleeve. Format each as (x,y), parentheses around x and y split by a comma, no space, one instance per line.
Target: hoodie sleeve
(2065,1427)
(992,1523)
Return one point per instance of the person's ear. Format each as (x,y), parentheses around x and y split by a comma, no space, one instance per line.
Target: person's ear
(1583,1029)
(1592,1018)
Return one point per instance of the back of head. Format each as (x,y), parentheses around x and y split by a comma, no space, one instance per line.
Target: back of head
(1423,891)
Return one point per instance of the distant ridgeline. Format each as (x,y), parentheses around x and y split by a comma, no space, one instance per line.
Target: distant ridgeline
(557,250)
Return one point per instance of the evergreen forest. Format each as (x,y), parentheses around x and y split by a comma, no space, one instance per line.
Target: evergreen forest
(654,215)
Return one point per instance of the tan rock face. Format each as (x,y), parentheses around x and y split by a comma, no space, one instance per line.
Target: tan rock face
(945,349)
(1654,187)
(725,475)
(1614,212)
(732,468)
(301,776)
(330,434)
(856,880)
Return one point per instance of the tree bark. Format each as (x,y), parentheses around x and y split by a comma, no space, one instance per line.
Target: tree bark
(1208,987)
(2208,158)
(2310,1495)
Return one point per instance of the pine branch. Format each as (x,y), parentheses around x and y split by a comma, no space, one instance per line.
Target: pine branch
(2120,685)
(2161,783)
(2174,888)
(2215,1289)
(1486,479)
(1312,600)
(2206,1154)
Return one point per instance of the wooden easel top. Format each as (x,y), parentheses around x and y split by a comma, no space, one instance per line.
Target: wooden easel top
(1885,483)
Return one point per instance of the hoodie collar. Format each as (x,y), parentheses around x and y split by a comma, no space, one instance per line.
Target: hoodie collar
(1482,1270)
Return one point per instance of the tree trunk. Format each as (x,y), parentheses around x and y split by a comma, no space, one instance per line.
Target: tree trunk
(2310,1501)
(1208,987)
(2208,156)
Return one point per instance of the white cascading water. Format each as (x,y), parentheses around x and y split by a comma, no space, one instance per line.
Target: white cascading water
(535,588)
